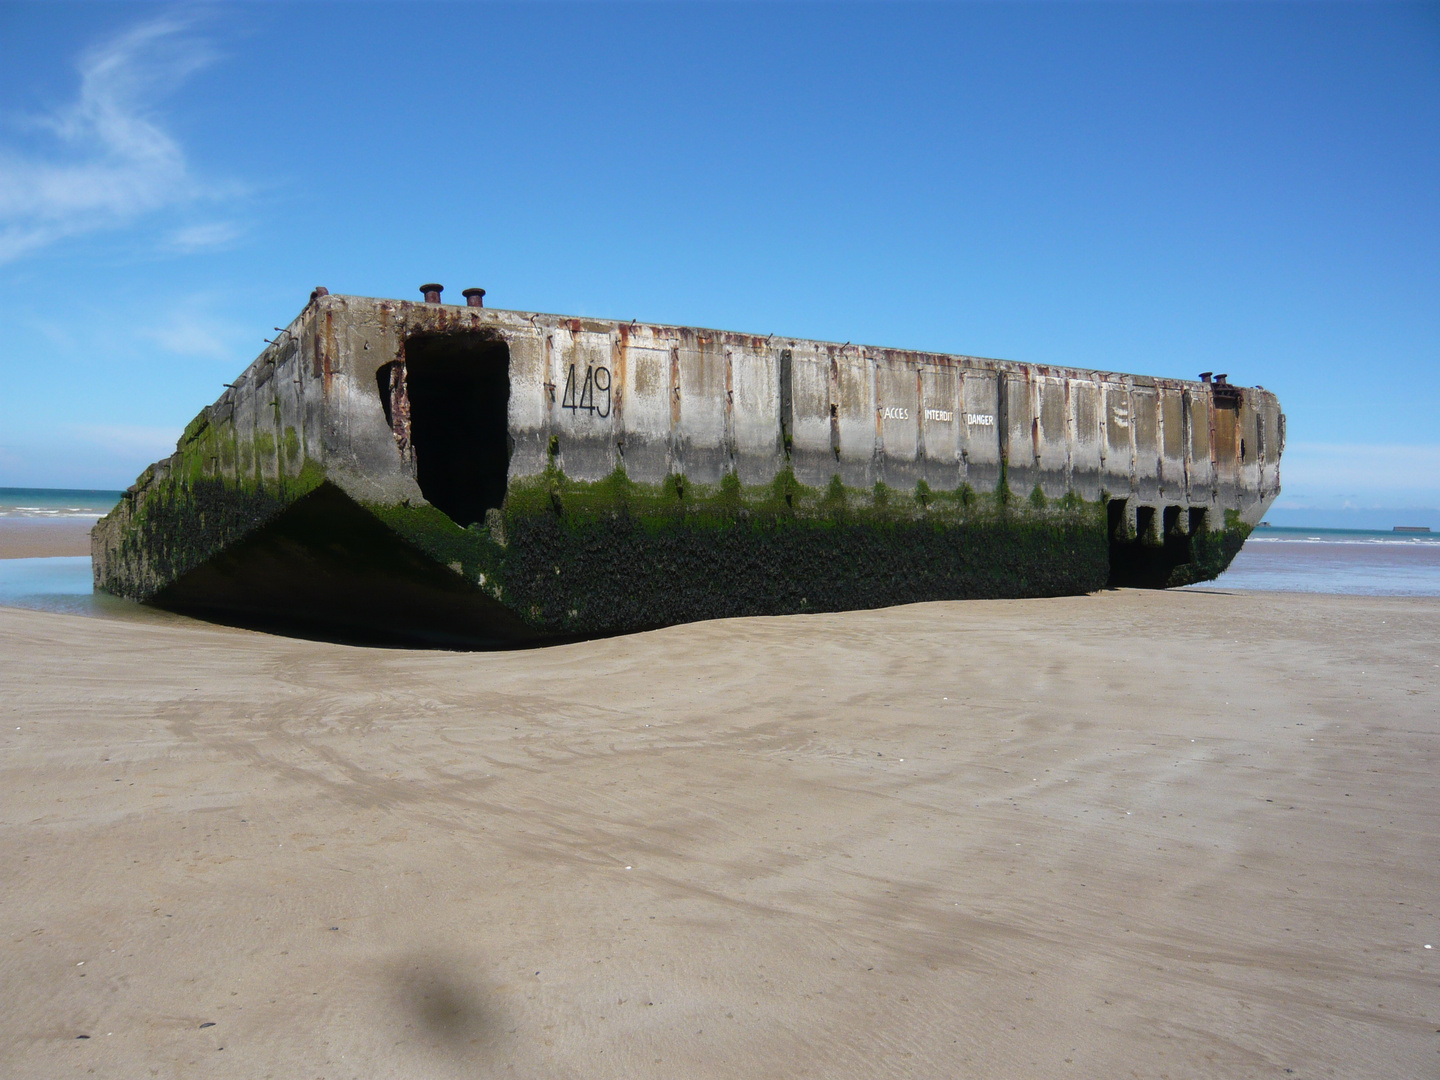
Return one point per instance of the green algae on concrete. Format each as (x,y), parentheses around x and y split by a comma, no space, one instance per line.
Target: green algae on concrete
(1210,552)
(197,503)
(176,524)
(573,557)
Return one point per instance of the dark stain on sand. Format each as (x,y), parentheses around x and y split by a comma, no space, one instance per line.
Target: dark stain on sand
(445,1003)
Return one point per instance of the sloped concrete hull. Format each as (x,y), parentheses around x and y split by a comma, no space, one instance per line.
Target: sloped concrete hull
(327,566)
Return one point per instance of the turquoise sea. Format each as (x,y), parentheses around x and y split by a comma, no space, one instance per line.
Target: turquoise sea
(43,503)
(1356,562)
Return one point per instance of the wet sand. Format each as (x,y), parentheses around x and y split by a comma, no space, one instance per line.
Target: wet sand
(36,538)
(1133,834)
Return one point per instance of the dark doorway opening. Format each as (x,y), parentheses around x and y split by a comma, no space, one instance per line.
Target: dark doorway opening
(1145,525)
(1171,522)
(458,387)
(1115,518)
(1159,548)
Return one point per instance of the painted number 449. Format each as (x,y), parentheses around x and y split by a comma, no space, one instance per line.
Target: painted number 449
(592,395)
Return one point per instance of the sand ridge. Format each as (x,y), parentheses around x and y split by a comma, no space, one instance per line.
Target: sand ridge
(1159,834)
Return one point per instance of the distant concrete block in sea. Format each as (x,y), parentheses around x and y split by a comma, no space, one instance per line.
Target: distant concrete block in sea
(460,474)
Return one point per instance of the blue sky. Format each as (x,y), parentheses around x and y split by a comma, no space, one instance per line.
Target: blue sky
(1167,188)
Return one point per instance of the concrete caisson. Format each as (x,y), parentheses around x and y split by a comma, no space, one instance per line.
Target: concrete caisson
(395,468)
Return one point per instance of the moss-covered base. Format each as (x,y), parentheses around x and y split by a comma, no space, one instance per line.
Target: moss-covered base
(172,525)
(570,559)
(574,558)
(1210,554)
(606,575)
(1181,560)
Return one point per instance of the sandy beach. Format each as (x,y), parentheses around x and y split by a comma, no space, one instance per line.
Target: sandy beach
(36,538)
(1130,834)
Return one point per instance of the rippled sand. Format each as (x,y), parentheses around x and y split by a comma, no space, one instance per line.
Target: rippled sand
(1181,835)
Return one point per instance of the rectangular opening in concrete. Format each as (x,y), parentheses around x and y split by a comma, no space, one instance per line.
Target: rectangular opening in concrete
(1115,511)
(1172,521)
(458,387)
(1145,524)
(385,382)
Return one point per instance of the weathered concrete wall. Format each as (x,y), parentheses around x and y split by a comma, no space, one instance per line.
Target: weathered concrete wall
(661,400)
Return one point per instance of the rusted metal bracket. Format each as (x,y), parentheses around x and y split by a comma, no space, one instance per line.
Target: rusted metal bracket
(1225,394)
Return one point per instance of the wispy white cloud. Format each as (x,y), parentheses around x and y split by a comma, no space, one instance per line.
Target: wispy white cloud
(203,237)
(191,328)
(1359,475)
(107,159)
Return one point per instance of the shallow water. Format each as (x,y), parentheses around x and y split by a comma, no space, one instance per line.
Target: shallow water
(1346,561)
(64,585)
